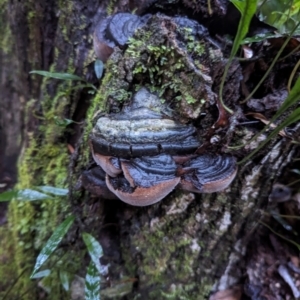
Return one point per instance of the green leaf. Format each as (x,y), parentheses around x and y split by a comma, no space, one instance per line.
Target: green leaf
(52,243)
(64,279)
(31,195)
(41,274)
(62,76)
(62,122)
(98,67)
(259,38)
(23,195)
(92,283)
(8,196)
(119,289)
(297,171)
(247,9)
(53,190)
(94,249)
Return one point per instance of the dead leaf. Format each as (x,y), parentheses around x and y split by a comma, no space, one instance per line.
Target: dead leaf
(235,293)
(71,149)
(264,120)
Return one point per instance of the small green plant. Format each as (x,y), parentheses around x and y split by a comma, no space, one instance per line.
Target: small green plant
(65,76)
(94,270)
(192,46)
(247,9)
(283,15)
(294,116)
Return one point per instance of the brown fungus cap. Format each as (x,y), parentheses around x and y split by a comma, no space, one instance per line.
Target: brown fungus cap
(145,181)
(142,129)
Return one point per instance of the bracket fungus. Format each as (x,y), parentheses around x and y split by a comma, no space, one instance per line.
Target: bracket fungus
(145,155)
(115,31)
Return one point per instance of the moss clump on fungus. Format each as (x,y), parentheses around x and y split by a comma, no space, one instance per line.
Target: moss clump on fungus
(157,58)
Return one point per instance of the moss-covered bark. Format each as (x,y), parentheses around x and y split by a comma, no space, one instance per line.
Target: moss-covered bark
(54,36)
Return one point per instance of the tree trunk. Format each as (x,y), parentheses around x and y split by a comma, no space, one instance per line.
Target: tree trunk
(183,247)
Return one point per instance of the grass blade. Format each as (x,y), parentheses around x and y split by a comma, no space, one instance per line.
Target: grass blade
(62,76)
(52,243)
(292,118)
(92,283)
(280,235)
(292,99)
(272,64)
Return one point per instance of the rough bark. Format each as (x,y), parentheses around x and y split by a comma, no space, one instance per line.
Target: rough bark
(184,247)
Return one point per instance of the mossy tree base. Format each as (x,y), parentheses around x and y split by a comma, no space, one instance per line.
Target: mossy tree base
(181,248)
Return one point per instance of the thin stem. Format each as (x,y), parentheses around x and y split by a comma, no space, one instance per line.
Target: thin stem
(14,283)
(293,182)
(293,75)
(290,241)
(222,85)
(291,53)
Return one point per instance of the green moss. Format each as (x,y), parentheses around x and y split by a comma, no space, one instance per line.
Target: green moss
(111,7)
(6,42)
(7,261)
(170,255)
(155,60)
(44,161)
(158,59)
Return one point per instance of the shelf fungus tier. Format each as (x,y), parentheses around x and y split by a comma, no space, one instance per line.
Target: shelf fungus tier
(208,173)
(142,129)
(145,180)
(142,155)
(115,31)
